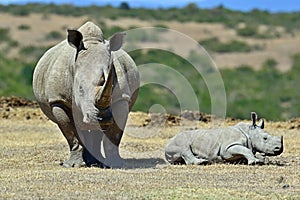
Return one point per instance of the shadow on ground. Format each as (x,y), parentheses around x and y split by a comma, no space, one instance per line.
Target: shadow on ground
(143,163)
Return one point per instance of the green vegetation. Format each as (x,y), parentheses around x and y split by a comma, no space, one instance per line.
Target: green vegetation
(15,78)
(214,44)
(220,14)
(253,31)
(4,34)
(267,91)
(54,35)
(24,27)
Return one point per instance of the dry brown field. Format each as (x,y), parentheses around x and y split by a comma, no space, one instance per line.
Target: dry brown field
(32,147)
(280,49)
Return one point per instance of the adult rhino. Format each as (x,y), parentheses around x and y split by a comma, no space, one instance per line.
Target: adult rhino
(87,86)
(234,144)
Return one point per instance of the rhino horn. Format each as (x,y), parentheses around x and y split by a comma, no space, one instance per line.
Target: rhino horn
(103,95)
(261,123)
(254,118)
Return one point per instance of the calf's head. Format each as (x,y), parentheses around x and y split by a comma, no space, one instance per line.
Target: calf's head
(93,71)
(262,141)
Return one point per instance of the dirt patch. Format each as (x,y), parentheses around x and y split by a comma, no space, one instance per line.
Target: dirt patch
(12,102)
(20,108)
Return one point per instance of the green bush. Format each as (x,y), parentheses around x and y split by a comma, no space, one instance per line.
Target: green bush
(15,78)
(4,34)
(213,44)
(247,31)
(54,35)
(24,27)
(33,51)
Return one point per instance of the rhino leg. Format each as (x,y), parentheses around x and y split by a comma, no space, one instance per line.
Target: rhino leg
(175,155)
(114,133)
(263,159)
(237,151)
(91,140)
(65,125)
(190,158)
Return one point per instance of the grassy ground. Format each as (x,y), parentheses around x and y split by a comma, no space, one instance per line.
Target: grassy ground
(31,148)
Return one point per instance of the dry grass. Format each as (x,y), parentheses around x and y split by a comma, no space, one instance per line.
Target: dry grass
(31,150)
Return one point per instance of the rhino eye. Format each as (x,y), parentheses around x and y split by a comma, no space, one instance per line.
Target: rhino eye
(265,137)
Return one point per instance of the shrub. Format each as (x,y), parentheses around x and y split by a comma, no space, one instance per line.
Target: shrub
(213,44)
(247,31)
(124,6)
(24,27)
(4,34)
(54,35)
(32,51)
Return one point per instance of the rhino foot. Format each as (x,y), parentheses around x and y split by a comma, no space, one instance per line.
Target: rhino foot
(91,161)
(263,159)
(73,163)
(256,162)
(75,160)
(201,161)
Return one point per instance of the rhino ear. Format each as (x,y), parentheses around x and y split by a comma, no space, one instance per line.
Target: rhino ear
(75,40)
(253,117)
(116,41)
(261,124)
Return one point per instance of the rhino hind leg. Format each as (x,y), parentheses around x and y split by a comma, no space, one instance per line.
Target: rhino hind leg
(176,156)
(69,132)
(190,158)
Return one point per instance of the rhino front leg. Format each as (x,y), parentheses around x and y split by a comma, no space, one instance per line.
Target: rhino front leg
(91,140)
(64,123)
(263,159)
(237,151)
(114,133)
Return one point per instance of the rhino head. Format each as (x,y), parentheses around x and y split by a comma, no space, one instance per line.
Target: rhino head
(262,141)
(93,71)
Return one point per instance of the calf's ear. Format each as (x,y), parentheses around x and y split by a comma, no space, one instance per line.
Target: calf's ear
(116,41)
(253,117)
(261,124)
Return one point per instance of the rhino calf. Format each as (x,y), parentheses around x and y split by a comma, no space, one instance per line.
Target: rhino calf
(233,144)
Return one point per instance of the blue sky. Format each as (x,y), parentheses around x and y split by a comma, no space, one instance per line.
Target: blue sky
(243,5)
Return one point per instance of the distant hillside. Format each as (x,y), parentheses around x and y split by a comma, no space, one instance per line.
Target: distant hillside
(257,53)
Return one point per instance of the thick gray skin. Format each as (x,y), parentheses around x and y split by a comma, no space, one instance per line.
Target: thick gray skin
(73,89)
(234,144)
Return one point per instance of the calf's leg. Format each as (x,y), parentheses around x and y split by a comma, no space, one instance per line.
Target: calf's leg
(190,158)
(238,151)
